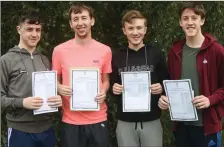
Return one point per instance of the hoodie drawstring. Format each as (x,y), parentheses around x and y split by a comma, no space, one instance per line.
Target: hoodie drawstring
(141,125)
(136,125)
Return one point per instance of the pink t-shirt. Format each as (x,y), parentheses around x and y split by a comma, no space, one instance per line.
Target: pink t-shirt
(69,55)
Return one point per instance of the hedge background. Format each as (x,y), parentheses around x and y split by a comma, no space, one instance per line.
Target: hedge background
(163,29)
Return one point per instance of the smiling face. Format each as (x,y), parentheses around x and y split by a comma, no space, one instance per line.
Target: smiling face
(81,23)
(135,32)
(191,22)
(29,34)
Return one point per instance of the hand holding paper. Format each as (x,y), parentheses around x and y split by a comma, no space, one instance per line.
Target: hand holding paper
(101,97)
(117,89)
(55,101)
(32,103)
(163,102)
(156,88)
(64,90)
(201,102)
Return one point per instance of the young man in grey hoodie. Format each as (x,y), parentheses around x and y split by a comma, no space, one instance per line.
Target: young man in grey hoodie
(24,128)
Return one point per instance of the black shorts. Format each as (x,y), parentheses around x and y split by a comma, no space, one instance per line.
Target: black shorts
(194,136)
(92,135)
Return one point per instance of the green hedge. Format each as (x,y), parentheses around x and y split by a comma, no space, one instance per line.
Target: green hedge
(163,29)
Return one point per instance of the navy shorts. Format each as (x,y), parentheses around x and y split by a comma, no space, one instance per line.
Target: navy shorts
(18,138)
(194,136)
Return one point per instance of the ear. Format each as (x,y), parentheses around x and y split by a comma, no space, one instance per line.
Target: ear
(18,28)
(92,21)
(124,30)
(146,29)
(180,23)
(202,21)
(70,23)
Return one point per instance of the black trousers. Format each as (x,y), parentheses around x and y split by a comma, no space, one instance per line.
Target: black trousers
(193,136)
(93,135)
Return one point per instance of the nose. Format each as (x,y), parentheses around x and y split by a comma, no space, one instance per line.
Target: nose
(190,21)
(80,22)
(34,33)
(135,31)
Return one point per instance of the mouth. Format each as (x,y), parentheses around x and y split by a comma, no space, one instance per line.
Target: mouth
(81,29)
(135,38)
(33,40)
(190,28)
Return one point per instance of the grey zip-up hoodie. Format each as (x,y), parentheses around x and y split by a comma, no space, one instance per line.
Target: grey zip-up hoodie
(17,66)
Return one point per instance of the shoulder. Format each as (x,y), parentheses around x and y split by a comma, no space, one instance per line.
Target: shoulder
(63,45)
(155,49)
(102,47)
(44,57)
(46,61)
(8,57)
(217,47)
(119,51)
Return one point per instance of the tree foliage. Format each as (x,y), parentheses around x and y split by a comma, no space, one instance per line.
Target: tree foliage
(163,29)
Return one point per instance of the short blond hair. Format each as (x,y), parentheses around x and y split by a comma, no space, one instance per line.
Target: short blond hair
(132,14)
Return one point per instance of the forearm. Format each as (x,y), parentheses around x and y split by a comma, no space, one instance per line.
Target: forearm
(105,86)
(9,102)
(59,79)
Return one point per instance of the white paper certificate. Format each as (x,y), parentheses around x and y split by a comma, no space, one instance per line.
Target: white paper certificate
(85,87)
(180,94)
(44,85)
(136,96)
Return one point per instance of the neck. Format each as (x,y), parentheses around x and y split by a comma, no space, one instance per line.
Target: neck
(83,41)
(136,47)
(29,49)
(195,41)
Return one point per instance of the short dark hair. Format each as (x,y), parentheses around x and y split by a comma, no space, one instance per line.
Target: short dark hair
(132,14)
(197,7)
(31,17)
(78,8)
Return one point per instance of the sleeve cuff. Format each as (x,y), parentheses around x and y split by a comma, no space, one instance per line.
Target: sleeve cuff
(18,103)
(212,100)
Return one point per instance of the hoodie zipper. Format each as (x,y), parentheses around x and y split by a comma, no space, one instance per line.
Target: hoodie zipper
(31,56)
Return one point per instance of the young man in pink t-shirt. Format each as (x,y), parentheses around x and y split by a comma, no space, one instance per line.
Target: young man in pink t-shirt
(82,128)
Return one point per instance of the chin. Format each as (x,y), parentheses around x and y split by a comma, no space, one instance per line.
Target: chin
(82,35)
(33,44)
(136,42)
(192,34)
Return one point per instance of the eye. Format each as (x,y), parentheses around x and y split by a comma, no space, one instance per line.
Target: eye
(139,27)
(29,29)
(195,18)
(38,30)
(185,18)
(130,28)
(75,19)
